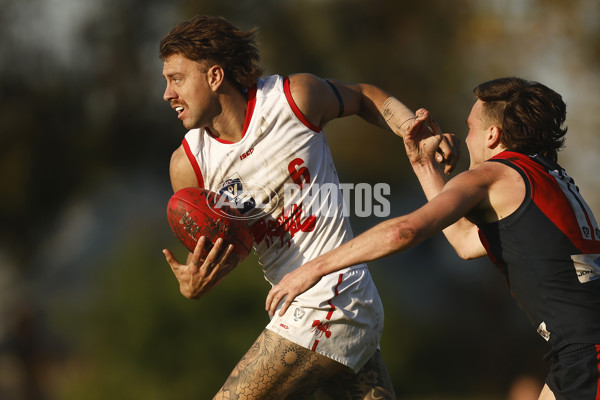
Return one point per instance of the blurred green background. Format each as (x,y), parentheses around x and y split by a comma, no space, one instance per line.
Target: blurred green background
(89,309)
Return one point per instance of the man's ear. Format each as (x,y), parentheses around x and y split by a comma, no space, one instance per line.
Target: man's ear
(215,76)
(494,136)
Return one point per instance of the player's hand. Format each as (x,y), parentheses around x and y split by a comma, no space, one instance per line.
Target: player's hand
(292,285)
(424,141)
(199,276)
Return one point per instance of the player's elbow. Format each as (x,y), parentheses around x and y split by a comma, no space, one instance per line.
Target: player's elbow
(402,235)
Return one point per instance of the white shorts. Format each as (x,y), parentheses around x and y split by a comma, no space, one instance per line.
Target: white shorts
(341,317)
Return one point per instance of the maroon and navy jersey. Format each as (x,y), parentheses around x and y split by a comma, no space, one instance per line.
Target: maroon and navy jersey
(549,249)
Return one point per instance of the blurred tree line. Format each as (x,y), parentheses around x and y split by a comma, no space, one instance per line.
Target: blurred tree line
(88,306)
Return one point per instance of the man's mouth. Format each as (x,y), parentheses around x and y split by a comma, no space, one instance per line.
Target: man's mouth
(179,109)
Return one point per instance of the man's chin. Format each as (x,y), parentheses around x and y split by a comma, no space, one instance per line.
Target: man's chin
(187,125)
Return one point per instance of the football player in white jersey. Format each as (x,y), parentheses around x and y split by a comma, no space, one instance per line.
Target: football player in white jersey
(329,345)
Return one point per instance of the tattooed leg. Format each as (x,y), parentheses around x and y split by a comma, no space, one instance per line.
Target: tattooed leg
(372,382)
(275,368)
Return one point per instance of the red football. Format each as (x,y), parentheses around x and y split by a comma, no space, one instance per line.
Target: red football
(193,212)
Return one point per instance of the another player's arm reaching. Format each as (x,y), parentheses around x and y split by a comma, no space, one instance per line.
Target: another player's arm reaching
(198,275)
(458,197)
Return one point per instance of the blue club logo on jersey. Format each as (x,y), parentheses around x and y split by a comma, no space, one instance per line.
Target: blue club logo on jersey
(252,200)
(238,198)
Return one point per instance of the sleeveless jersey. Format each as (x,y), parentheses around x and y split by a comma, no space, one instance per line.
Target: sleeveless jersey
(549,248)
(280,175)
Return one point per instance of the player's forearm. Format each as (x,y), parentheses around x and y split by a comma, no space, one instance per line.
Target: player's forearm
(382,240)
(430,177)
(380,108)
(396,115)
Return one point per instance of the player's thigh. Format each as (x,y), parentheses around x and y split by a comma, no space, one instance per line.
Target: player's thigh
(276,368)
(372,382)
(546,394)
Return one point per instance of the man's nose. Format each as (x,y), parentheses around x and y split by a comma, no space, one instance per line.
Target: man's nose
(169,94)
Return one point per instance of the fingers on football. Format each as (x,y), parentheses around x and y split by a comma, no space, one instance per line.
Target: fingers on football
(214,251)
(196,261)
(218,258)
(217,255)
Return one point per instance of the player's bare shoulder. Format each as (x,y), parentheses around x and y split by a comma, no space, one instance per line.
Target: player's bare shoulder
(181,170)
(305,84)
(312,95)
(505,187)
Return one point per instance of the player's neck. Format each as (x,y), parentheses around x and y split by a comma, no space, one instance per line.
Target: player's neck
(229,123)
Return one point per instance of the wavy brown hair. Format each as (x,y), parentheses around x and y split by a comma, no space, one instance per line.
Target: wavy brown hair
(530,114)
(215,41)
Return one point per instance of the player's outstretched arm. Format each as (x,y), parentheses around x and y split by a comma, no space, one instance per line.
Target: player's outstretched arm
(459,196)
(386,238)
(322,100)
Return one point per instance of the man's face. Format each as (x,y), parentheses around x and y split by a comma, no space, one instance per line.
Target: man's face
(187,91)
(478,133)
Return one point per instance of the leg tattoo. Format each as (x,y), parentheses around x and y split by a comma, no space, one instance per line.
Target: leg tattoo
(371,383)
(275,368)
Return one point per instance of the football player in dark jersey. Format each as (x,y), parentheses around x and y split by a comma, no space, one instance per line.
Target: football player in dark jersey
(515,204)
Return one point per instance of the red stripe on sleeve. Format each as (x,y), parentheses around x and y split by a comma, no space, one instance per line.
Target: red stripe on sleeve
(295,109)
(194,162)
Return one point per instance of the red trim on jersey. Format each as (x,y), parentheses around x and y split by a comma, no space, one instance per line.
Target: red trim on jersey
(249,113)
(217,138)
(544,193)
(295,109)
(250,109)
(194,162)
(501,266)
(486,245)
